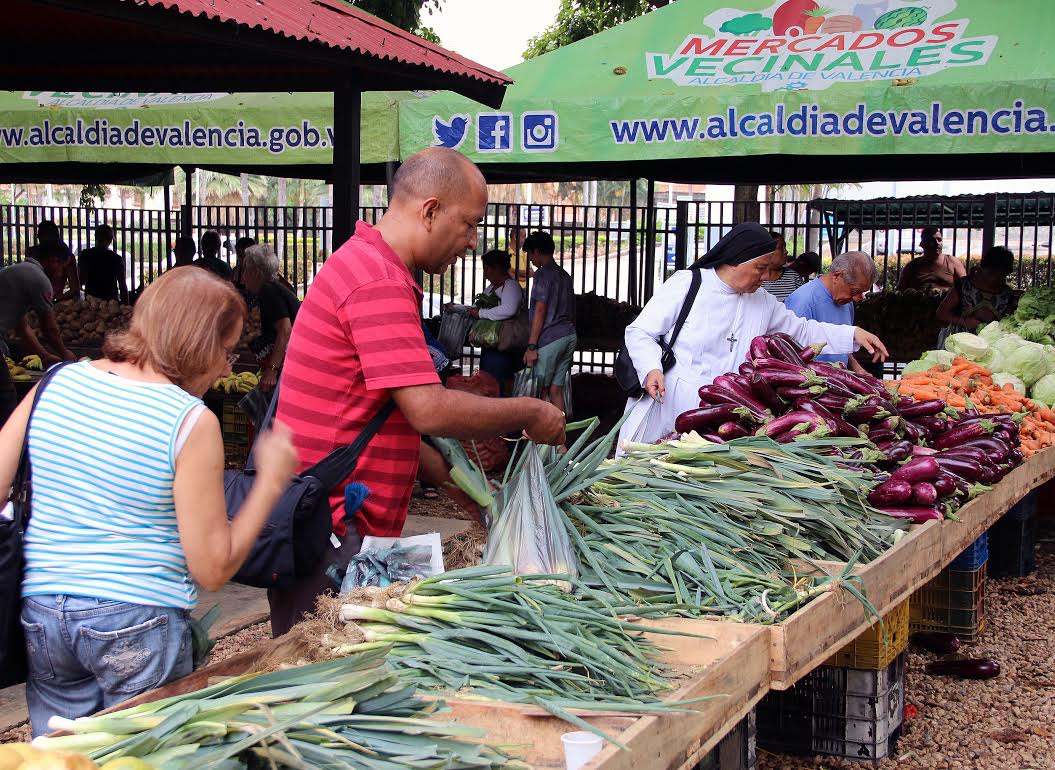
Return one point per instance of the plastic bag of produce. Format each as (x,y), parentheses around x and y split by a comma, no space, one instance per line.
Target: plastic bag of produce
(525,384)
(1043,389)
(970,346)
(454,327)
(1000,379)
(1029,362)
(527,531)
(484,333)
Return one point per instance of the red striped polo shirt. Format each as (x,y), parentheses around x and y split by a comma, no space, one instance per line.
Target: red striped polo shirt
(357,335)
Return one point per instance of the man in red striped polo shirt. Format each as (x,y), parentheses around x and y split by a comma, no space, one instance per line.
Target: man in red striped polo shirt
(357,342)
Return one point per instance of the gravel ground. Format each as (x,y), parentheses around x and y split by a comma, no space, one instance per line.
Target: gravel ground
(1007,723)
(240,641)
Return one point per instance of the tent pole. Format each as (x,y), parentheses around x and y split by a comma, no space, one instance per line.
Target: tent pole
(185,209)
(633,273)
(167,257)
(346,113)
(650,242)
(390,172)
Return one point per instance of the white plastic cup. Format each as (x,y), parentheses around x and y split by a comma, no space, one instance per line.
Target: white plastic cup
(579,748)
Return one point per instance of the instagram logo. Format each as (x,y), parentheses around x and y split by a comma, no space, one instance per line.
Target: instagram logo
(538,132)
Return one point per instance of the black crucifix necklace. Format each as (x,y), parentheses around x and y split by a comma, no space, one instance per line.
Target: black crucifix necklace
(732,340)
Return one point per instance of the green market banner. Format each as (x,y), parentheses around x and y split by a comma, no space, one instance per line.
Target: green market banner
(703,78)
(198,129)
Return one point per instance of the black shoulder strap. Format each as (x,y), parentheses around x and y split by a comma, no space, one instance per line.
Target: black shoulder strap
(20,486)
(686,306)
(338,464)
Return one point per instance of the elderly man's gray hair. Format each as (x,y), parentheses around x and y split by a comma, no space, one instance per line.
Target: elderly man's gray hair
(263,259)
(855,266)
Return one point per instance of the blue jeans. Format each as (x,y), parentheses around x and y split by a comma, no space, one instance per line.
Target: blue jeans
(87,654)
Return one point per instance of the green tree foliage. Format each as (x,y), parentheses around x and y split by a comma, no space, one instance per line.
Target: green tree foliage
(578,19)
(405,14)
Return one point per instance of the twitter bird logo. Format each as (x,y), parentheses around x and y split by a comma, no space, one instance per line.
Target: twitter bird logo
(450,133)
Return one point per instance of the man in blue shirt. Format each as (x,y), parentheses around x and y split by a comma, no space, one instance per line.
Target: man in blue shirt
(830,297)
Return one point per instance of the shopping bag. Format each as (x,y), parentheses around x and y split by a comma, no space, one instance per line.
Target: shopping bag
(527,531)
(525,384)
(454,329)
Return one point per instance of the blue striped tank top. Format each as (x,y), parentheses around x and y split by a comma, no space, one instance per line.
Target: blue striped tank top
(103,521)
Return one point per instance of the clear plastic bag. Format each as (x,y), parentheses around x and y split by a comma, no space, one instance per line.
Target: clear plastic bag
(525,384)
(386,566)
(454,329)
(528,532)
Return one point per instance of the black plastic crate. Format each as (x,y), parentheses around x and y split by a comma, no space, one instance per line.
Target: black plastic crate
(736,751)
(837,711)
(1013,539)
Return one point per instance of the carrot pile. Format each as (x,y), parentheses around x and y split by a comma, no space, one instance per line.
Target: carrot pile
(966,380)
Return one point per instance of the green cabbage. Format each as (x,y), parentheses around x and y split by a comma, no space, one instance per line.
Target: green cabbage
(1008,344)
(1036,303)
(919,365)
(1029,362)
(970,346)
(1003,378)
(1043,389)
(939,358)
(994,360)
(1036,331)
(991,332)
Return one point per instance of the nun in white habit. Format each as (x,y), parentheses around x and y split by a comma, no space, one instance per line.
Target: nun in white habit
(729,311)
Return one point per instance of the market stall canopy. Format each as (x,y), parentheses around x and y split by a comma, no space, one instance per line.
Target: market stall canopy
(239,45)
(65,136)
(764,91)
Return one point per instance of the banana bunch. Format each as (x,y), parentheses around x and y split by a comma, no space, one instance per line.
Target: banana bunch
(243,382)
(18,373)
(33,362)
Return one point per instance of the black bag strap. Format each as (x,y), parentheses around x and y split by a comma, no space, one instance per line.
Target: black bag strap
(686,306)
(20,486)
(338,464)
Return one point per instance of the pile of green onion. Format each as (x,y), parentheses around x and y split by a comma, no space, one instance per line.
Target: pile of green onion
(342,714)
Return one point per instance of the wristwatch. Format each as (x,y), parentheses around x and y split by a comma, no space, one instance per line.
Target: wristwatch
(532,346)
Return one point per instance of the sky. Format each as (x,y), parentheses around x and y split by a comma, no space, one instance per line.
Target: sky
(491,32)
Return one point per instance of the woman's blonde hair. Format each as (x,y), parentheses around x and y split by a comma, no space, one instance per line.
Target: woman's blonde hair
(180,324)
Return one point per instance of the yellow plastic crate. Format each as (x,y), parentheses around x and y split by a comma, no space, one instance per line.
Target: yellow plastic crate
(872,650)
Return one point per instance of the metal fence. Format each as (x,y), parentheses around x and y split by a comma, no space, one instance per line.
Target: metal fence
(618,252)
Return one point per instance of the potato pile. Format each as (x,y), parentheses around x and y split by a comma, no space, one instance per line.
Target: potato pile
(84,324)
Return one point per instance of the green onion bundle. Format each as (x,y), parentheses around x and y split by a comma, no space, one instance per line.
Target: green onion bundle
(516,639)
(719,526)
(342,714)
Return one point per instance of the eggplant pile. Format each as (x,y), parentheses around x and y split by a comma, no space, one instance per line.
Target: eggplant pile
(929,458)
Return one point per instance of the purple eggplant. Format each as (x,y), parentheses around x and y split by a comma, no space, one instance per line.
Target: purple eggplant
(747,369)
(917,514)
(836,423)
(741,389)
(714,438)
(965,668)
(787,422)
(1016,456)
(996,449)
(917,470)
(897,451)
(890,493)
(924,493)
(713,394)
(944,485)
(706,417)
(923,451)
(810,352)
(730,430)
(913,432)
(867,413)
(780,348)
(863,384)
(936,642)
(789,393)
(964,432)
(832,402)
(759,348)
(765,393)
(936,425)
(922,409)
(779,365)
(880,436)
(967,469)
(967,452)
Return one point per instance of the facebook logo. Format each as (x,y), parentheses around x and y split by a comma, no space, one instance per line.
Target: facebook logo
(538,131)
(494,132)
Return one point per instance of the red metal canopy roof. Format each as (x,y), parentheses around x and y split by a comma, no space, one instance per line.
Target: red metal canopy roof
(230,45)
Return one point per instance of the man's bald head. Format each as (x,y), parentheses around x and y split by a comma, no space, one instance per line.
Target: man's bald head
(438,172)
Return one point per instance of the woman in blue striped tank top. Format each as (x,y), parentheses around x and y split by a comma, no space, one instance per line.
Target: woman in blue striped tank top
(128,506)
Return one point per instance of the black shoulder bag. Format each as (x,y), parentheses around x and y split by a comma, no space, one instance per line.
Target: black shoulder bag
(294,540)
(626,374)
(12,536)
